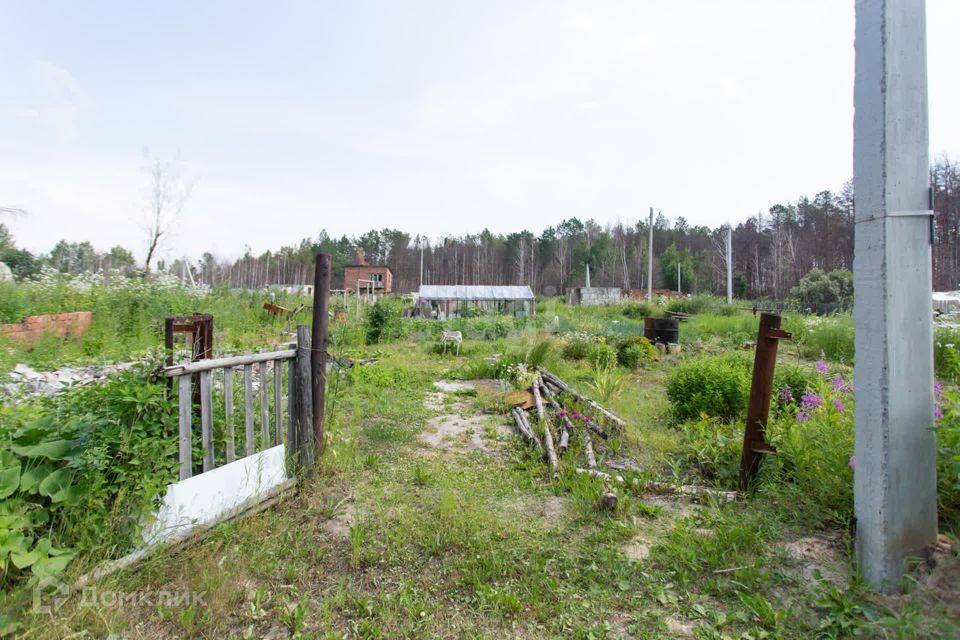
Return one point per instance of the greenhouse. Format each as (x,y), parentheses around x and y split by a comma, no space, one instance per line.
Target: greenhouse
(459,301)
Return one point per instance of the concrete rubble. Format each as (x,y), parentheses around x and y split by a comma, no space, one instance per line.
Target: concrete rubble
(23,380)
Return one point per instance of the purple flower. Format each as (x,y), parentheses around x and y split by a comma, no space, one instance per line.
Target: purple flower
(852,465)
(811,401)
(838,405)
(937,411)
(563,413)
(838,383)
(821,366)
(586,419)
(786,395)
(937,389)
(802,417)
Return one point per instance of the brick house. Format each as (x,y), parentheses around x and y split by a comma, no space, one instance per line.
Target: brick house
(381,275)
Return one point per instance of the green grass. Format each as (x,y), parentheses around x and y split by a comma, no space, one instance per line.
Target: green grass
(396,539)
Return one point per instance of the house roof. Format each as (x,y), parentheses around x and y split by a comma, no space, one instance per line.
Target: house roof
(474,292)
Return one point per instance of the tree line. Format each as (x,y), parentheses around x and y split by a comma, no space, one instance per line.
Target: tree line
(772,251)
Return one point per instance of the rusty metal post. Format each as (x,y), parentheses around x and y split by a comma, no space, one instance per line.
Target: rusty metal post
(758,410)
(318,355)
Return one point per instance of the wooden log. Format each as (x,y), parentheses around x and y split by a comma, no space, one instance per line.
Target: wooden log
(228,411)
(548,445)
(567,427)
(592,426)
(522,426)
(537,398)
(609,415)
(185,443)
(264,407)
(691,491)
(588,451)
(278,401)
(206,419)
(248,407)
(530,430)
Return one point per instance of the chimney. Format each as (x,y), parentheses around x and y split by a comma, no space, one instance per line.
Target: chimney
(361,258)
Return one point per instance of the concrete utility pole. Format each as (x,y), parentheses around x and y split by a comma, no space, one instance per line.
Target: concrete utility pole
(650,262)
(729,264)
(678,277)
(420,242)
(895,496)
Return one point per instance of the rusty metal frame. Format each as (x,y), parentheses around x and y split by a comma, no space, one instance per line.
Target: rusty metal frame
(755,444)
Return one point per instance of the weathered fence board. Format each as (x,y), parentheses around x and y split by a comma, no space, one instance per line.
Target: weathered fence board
(185,444)
(264,406)
(228,409)
(248,405)
(278,401)
(206,419)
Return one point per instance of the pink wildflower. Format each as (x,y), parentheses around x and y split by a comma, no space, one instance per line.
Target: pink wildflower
(802,417)
(820,366)
(937,411)
(838,383)
(786,395)
(852,465)
(811,401)
(838,405)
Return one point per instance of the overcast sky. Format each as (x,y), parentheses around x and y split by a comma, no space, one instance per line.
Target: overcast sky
(440,117)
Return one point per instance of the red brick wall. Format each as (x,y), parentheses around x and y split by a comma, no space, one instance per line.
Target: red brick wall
(352,273)
(34,327)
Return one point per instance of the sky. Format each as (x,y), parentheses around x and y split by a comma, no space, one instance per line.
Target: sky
(434,117)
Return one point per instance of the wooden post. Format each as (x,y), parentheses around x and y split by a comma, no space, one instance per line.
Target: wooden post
(206,419)
(185,444)
(304,392)
(758,410)
(228,410)
(318,355)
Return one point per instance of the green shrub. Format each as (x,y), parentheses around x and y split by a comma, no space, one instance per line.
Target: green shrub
(602,356)
(634,351)
(575,346)
(813,435)
(79,471)
(715,386)
(948,458)
(637,310)
(383,321)
(946,357)
(789,382)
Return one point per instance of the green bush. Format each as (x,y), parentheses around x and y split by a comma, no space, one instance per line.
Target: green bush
(575,346)
(637,310)
(790,382)
(602,356)
(79,471)
(383,321)
(948,458)
(714,386)
(635,350)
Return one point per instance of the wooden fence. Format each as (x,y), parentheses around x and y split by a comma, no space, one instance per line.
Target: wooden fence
(265,371)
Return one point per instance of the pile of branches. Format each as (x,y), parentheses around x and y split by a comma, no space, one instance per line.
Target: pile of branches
(551,394)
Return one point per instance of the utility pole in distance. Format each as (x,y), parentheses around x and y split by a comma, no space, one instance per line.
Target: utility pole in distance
(895,483)
(729,264)
(650,262)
